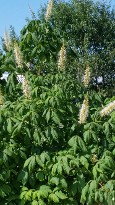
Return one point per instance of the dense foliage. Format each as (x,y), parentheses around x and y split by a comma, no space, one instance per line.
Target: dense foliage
(47,156)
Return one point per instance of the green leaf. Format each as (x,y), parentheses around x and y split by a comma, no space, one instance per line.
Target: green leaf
(39,161)
(54,134)
(23,176)
(54,168)
(84,162)
(65,165)
(36,136)
(87,136)
(60,195)
(54,180)
(48,114)
(74,187)
(30,162)
(34,51)
(81,182)
(6,188)
(27,162)
(9,126)
(63,183)
(17,129)
(81,144)
(72,141)
(34,202)
(44,156)
(59,168)
(54,198)
(84,194)
(41,202)
(55,118)
(40,176)
(93,186)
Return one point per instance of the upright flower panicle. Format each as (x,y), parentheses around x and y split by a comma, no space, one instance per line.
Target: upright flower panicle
(108,109)
(49,10)
(83,114)
(18,55)
(25,87)
(62,58)
(87,76)
(7,40)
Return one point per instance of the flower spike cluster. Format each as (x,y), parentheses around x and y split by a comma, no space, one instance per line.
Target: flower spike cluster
(7,41)
(49,10)
(83,114)
(25,87)
(18,55)
(108,109)
(87,76)
(62,58)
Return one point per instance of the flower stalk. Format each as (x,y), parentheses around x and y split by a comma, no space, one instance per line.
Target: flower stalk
(87,76)
(62,58)
(18,55)
(83,114)
(25,87)
(108,109)
(7,41)
(49,10)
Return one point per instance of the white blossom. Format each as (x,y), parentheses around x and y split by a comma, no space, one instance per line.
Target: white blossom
(108,109)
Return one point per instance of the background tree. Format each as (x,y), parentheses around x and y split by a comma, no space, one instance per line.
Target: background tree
(89,31)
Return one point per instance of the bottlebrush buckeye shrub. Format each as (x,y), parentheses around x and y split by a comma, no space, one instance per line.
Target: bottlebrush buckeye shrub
(56,145)
(47,156)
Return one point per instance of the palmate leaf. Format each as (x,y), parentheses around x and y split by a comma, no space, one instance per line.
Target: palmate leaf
(23,176)
(39,161)
(41,202)
(34,202)
(30,163)
(84,194)
(54,180)
(54,169)
(59,168)
(84,162)
(60,195)
(55,118)
(54,134)
(40,175)
(9,125)
(43,192)
(8,151)
(93,186)
(48,114)
(53,197)
(17,129)
(5,190)
(45,156)
(76,142)
(81,182)
(74,187)
(37,136)
(65,165)
(89,135)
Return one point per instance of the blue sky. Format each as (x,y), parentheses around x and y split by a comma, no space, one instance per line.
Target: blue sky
(14,12)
